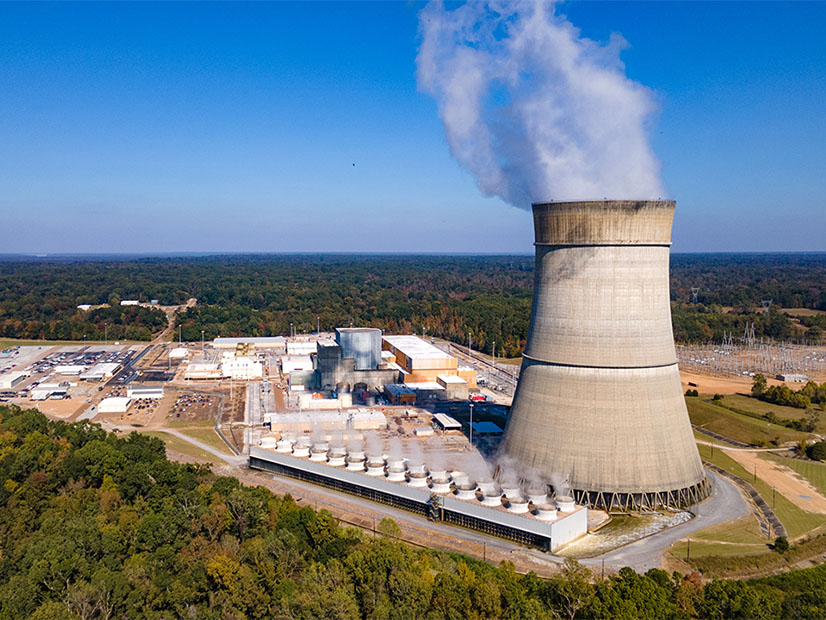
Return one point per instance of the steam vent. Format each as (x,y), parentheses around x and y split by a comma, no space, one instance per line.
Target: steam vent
(599,396)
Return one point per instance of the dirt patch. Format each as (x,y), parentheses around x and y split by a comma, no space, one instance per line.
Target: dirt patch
(788,483)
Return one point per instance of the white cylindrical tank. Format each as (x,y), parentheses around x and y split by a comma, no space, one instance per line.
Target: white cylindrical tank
(493,499)
(396,474)
(487,486)
(459,477)
(537,495)
(355,464)
(336,456)
(517,504)
(318,454)
(301,450)
(546,512)
(565,503)
(417,479)
(268,443)
(284,446)
(440,486)
(512,490)
(375,466)
(345,400)
(466,491)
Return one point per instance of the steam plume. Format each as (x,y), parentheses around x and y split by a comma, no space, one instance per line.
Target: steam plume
(532,109)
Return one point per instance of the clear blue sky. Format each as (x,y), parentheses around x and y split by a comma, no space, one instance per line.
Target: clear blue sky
(235,127)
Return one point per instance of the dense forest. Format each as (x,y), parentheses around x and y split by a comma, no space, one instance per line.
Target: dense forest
(488,297)
(95,526)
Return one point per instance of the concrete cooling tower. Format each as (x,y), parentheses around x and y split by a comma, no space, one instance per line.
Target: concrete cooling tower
(599,398)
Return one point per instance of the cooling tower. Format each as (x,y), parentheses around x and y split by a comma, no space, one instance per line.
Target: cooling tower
(599,398)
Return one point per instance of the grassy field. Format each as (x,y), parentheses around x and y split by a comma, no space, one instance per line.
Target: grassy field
(736,426)
(810,470)
(182,446)
(178,424)
(207,436)
(798,522)
(758,407)
(739,537)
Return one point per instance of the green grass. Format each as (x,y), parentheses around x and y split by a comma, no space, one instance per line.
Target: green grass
(810,470)
(739,537)
(207,436)
(176,424)
(184,447)
(797,521)
(736,426)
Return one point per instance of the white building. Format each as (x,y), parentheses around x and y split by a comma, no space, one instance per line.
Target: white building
(84,307)
(117,404)
(203,371)
(144,391)
(69,369)
(302,347)
(101,372)
(129,302)
(241,368)
(11,380)
(266,342)
(178,353)
(295,363)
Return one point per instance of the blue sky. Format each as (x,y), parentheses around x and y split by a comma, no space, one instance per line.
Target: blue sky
(235,127)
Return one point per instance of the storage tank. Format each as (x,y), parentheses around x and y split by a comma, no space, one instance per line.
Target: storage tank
(268,443)
(599,396)
(355,463)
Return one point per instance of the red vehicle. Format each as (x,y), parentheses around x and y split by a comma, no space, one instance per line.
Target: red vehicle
(478,398)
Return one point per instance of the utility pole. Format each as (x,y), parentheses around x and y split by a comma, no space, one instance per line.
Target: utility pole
(688,550)
(202,343)
(106,334)
(318,325)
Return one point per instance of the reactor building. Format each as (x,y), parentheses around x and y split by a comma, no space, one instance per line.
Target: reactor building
(599,399)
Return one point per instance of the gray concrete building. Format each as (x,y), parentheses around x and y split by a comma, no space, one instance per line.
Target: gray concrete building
(599,399)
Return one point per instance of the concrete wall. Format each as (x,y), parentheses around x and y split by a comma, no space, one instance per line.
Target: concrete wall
(361,344)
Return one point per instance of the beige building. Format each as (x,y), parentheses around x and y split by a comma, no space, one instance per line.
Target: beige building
(421,362)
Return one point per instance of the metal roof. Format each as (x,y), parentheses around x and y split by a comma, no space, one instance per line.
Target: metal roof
(446,421)
(260,340)
(415,348)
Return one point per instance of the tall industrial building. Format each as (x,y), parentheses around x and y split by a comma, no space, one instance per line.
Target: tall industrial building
(599,399)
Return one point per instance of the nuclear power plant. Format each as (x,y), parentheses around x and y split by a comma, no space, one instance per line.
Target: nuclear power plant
(599,399)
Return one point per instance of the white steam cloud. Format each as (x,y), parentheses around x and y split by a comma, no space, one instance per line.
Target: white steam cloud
(532,109)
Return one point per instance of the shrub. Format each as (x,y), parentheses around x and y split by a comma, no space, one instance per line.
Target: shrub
(817,451)
(781,544)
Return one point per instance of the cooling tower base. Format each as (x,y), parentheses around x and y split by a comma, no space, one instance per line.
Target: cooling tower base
(635,502)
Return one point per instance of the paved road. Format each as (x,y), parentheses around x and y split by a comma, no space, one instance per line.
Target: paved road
(725,504)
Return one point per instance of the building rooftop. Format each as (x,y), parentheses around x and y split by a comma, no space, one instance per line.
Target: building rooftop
(446,422)
(487,428)
(357,330)
(258,341)
(451,379)
(425,385)
(415,348)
